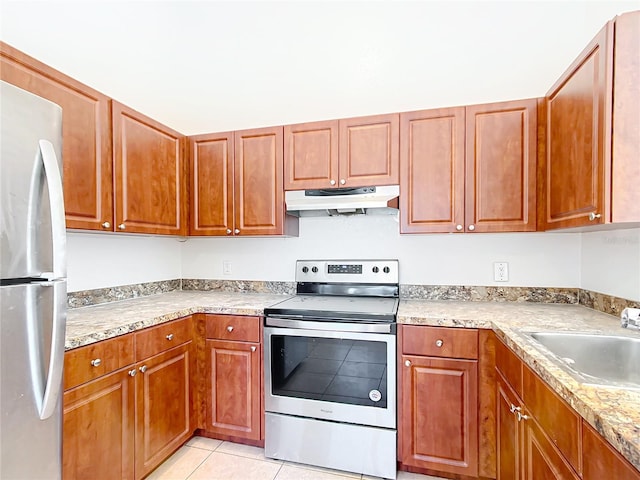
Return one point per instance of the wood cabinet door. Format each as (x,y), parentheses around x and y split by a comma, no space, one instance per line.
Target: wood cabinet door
(150,175)
(432,171)
(211,171)
(578,147)
(369,151)
(233,389)
(98,429)
(164,406)
(311,155)
(601,460)
(86,137)
(259,197)
(501,151)
(509,433)
(542,460)
(439,423)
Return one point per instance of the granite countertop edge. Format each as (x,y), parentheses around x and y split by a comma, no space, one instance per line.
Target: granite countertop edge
(614,413)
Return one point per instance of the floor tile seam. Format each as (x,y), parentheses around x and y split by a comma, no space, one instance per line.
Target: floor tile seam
(311,469)
(266,460)
(279,470)
(199,464)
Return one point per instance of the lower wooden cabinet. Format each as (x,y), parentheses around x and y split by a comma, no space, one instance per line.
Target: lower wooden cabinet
(163,407)
(508,434)
(98,429)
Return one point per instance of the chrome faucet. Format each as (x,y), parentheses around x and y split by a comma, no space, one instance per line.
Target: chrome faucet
(630,317)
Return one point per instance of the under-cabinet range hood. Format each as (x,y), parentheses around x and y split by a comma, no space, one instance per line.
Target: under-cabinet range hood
(343,201)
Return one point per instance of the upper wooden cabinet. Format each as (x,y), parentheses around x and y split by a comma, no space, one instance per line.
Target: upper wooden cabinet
(591,167)
(150,175)
(469,169)
(236,183)
(86,137)
(353,152)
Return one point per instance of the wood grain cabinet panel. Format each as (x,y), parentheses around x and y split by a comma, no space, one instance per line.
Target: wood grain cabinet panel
(153,340)
(509,434)
(86,137)
(234,405)
(440,341)
(150,175)
(440,414)
(311,155)
(591,164)
(432,170)
(369,151)
(601,460)
(237,328)
(98,429)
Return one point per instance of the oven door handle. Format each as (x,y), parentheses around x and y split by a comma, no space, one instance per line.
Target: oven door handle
(331,326)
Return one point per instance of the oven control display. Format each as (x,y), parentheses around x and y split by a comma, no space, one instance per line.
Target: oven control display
(344,269)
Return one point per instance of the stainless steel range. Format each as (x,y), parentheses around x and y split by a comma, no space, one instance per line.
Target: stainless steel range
(330,375)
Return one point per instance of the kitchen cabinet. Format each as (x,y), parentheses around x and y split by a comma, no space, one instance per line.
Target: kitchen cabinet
(439,400)
(469,169)
(234,378)
(99,378)
(352,152)
(236,184)
(540,436)
(591,167)
(149,402)
(150,175)
(86,137)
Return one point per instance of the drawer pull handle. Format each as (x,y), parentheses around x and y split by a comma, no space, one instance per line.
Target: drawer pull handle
(593,216)
(522,416)
(514,409)
(229,329)
(253,349)
(439,343)
(169,337)
(143,368)
(132,373)
(407,363)
(96,362)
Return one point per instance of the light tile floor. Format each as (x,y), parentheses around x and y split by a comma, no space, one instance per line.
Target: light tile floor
(204,458)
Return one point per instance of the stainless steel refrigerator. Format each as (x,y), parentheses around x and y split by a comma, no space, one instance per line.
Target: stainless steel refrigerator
(33,288)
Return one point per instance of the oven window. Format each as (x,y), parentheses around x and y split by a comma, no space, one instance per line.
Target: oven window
(330,369)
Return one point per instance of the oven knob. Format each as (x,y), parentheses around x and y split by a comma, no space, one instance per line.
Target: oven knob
(314,269)
(305,269)
(375,269)
(386,269)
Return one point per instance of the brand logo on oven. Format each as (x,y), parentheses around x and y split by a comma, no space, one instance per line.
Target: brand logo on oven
(326,411)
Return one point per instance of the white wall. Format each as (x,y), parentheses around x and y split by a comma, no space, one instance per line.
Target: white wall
(611,263)
(98,260)
(537,259)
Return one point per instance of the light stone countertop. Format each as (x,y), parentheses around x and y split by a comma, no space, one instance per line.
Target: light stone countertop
(615,413)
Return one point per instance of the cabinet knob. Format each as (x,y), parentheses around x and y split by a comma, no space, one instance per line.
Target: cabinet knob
(342,181)
(513,408)
(106,225)
(169,337)
(332,182)
(439,343)
(230,328)
(459,228)
(521,416)
(96,362)
(132,373)
(593,216)
(253,349)
(122,226)
(236,231)
(228,231)
(143,368)
(472,228)
(407,363)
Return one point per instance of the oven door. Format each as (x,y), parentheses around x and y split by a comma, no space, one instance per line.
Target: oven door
(333,375)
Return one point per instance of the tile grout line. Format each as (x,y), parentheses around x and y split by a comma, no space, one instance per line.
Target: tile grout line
(200,464)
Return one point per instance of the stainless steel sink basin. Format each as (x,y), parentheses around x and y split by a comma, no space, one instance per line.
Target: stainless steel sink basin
(604,360)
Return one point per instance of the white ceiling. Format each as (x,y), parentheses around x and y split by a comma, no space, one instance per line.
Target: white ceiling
(204,66)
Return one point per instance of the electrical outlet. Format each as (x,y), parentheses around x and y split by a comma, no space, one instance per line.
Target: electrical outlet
(501,271)
(226,267)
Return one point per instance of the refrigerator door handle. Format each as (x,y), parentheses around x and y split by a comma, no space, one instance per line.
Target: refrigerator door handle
(53,384)
(56,202)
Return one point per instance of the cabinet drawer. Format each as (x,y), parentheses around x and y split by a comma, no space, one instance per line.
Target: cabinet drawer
(510,366)
(555,416)
(233,327)
(92,361)
(154,340)
(439,342)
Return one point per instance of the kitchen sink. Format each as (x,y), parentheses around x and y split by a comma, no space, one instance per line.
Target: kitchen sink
(604,360)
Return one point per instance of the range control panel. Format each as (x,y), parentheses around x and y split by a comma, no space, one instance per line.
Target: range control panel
(347,271)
